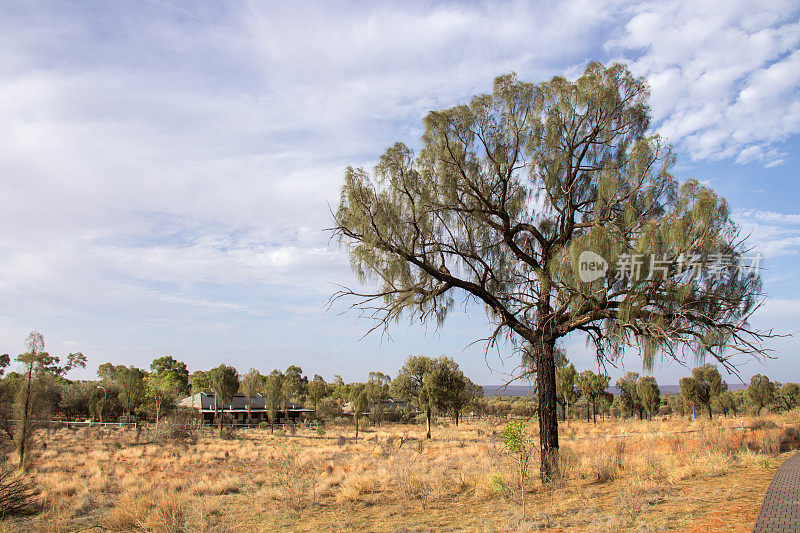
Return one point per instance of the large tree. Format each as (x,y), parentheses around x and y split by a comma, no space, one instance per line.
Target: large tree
(503,200)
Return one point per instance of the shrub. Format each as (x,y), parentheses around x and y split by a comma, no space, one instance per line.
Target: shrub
(762,424)
(18,494)
(790,439)
(294,478)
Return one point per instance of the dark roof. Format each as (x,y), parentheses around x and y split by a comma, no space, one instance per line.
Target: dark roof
(239,402)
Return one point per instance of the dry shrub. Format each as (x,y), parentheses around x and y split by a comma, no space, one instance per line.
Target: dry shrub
(409,478)
(161,511)
(18,494)
(604,465)
(762,423)
(294,479)
(767,441)
(637,497)
(219,486)
(790,439)
(703,465)
(770,442)
(128,513)
(353,487)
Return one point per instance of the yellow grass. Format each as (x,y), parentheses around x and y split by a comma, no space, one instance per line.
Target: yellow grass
(671,475)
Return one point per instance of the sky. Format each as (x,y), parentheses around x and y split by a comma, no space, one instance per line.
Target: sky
(167,169)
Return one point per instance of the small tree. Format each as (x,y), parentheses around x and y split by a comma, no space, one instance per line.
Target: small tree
(725,403)
(629,394)
(691,391)
(317,389)
(271,391)
(162,390)
(649,394)
(359,401)
(34,345)
(761,392)
(39,393)
(130,381)
(408,385)
(520,449)
(592,386)
(176,370)
(566,394)
(708,385)
(252,383)
(224,381)
(790,395)
(463,397)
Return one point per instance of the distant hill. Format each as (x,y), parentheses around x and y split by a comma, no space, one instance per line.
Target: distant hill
(527,390)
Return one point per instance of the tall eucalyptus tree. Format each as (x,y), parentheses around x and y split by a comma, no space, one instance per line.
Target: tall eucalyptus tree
(508,200)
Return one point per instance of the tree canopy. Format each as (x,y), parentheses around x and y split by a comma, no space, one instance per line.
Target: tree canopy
(507,193)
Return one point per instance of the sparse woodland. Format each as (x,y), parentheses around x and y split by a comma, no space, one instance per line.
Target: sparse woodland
(629,461)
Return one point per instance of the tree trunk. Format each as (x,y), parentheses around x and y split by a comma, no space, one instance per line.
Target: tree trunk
(548,414)
(594,409)
(428,422)
(355,417)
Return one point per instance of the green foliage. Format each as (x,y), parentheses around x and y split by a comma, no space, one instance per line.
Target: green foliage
(761,392)
(519,447)
(224,381)
(566,392)
(170,370)
(592,386)
(251,384)
(271,390)
(130,381)
(649,395)
(629,393)
(789,396)
(317,389)
(505,194)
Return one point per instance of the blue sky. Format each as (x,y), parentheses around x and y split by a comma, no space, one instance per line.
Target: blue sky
(166,169)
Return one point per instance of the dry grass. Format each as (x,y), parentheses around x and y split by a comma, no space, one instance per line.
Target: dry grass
(663,475)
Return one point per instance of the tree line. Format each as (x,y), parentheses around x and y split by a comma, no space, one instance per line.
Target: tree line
(425,386)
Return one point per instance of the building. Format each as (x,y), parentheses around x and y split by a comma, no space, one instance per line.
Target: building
(387,404)
(237,409)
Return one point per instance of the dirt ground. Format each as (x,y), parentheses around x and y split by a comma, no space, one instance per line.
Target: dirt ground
(664,475)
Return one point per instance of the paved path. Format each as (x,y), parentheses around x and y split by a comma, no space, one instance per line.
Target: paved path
(780,511)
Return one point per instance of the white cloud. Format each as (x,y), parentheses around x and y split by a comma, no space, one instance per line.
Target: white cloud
(725,81)
(773,234)
(168,168)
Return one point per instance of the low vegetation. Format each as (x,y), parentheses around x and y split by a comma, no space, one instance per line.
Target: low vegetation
(665,474)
